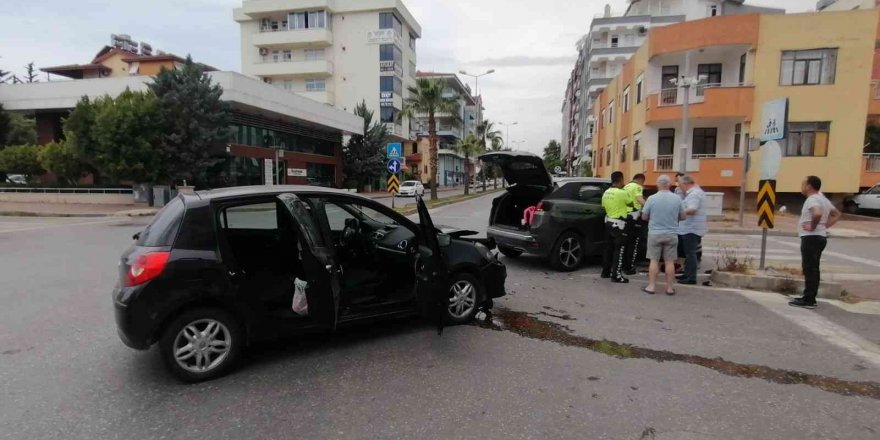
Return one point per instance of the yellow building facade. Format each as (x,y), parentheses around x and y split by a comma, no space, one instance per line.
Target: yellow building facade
(822,63)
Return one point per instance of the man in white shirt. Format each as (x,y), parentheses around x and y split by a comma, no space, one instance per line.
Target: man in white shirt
(817,215)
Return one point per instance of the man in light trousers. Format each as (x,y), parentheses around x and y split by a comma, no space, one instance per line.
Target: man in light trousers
(662,211)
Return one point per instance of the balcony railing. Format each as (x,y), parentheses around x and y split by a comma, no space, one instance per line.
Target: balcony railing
(673,96)
(716,156)
(664,163)
(284,28)
(271,59)
(394,129)
(872,162)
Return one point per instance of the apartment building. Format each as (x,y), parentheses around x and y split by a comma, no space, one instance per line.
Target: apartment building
(846,5)
(821,63)
(610,43)
(337,52)
(451,165)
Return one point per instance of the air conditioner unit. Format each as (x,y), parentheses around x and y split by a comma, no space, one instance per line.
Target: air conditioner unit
(264,51)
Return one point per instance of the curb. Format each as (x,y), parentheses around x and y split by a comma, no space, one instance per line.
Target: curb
(768,283)
(441,203)
(50,214)
(777,233)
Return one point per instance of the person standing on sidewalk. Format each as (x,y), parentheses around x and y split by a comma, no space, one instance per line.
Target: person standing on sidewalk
(817,215)
(662,211)
(692,229)
(635,225)
(616,203)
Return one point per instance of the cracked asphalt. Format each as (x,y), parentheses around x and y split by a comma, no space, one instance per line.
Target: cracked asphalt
(527,374)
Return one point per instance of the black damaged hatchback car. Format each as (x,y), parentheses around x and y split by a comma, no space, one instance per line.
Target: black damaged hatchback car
(217,270)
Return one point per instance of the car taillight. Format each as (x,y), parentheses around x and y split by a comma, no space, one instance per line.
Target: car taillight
(146,267)
(539,207)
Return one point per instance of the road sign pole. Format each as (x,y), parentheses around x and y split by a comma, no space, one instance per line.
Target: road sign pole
(763,248)
(742,185)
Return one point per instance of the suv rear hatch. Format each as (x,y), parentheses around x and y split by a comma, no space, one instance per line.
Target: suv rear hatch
(530,183)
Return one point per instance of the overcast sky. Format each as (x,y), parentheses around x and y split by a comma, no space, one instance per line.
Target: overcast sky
(530,44)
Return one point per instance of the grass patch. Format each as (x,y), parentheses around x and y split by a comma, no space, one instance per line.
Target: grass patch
(729,260)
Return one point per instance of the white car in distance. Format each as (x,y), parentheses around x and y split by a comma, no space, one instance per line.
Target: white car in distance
(411,188)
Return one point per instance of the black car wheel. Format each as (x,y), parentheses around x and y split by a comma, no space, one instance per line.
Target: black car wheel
(568,253)
(851,207)
(464,295)
(201,344)
(510,252)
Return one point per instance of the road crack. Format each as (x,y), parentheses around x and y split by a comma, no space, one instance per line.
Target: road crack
(527,325)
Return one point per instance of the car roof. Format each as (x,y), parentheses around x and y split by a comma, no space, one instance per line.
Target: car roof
(408,181)
(562,180)
(258,190)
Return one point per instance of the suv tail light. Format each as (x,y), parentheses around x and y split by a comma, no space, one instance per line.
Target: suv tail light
(539,207)
(146,267)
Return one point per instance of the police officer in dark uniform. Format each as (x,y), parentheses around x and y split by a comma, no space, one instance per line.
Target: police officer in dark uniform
(617,204)
(637,232)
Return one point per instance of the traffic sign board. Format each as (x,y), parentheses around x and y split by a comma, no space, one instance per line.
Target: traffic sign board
(393,166)
(774,120)
(393,184)
(394,150)
(771,160)
(766,203)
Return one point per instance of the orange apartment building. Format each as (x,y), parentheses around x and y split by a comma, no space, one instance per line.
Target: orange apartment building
(823,63)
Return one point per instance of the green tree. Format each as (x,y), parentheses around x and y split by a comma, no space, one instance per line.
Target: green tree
(21,159)
(79,133)
(20,131)
(4,126)
(490,139)
(553,155)
(126,137)
(5,76)
(364,156)
(60,159)
(426,97)
(30,75)
(469,146)
(193,120)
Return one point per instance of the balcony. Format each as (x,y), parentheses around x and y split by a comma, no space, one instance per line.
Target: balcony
(317,37)
(874,102)
(322,96)
(706,101)
(709,170)
(870,170)
(394,129)
(292,67)
(261,8)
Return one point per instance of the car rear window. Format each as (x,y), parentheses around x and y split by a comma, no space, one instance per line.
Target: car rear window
(163,228)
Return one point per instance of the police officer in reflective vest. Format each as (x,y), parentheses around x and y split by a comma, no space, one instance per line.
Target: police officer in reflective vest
(636,233)
(617,204)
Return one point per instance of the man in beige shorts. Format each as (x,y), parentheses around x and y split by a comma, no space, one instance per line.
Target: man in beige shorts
(662,211)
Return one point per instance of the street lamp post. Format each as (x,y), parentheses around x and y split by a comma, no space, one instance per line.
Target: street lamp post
(476,79)
(508,130)
(685,83)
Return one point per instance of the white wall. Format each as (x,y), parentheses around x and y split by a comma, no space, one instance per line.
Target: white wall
(847,5)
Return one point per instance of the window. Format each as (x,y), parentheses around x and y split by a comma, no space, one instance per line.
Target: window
(626,99)
(412,41)
(314,54)
(390,84)
(286,84)
(611,112)
(321,174)
(710,76)
(390,52)
(615,41)
(806,139)
(263,216)
(591,192)
(742,69)
(623,143)
(316,85)
(608,156)
(665,141)
(737,139)
(163,229)
(387,20)
(705,142)
(637,139)
(308,20)
(389,114)
(713,10)
(668,85)
(639,87)
(591,127)
(808,67)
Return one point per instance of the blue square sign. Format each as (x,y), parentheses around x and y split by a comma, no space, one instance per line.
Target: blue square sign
(395,150)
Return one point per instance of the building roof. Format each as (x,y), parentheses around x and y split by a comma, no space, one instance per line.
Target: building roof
(468,95)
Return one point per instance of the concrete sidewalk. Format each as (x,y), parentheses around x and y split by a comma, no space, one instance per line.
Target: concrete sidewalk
(851,226)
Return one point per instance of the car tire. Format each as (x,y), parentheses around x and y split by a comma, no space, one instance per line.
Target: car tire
(215,329)
(851,208)
(510,252)
(568,253)
(465,294)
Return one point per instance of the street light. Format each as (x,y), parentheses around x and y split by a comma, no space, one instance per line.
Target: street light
(517,143)
(686,82)
(476,79)
(508,130)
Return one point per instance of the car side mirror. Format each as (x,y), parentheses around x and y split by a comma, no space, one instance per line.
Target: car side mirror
(444,240)
(136,236)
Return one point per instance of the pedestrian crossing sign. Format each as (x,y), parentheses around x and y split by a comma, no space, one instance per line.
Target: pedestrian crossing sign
(394,150)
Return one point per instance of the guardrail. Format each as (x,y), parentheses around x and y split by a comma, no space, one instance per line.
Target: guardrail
(27,190)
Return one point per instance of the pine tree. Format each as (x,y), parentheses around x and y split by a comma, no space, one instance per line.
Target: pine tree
(364,156)
(194,120)
(30,73)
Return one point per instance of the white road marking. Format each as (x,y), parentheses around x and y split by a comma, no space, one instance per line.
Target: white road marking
(59,225)
(817,325)
(865,261)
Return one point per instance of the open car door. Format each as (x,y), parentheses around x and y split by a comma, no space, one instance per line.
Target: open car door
(432,273)
(319,263)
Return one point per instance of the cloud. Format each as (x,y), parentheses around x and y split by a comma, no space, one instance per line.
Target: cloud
(521,61)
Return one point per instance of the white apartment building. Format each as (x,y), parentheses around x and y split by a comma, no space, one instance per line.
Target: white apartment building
(338,52)
(846,5)
(609,44)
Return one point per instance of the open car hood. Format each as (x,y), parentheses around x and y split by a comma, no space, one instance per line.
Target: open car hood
(520,167)
(466,235)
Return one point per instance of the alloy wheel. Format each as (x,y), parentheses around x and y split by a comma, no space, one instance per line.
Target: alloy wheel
(462,299)
(570,252)
(202,345)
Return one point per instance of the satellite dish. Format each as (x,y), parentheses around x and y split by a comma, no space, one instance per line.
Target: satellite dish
(771,160)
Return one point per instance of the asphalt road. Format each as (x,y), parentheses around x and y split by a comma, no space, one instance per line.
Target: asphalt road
(565,356)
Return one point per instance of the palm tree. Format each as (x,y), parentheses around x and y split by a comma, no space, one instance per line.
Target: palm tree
(489,138)
(469,146)
(426,97)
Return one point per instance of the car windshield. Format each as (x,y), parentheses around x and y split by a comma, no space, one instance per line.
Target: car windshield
(410,183)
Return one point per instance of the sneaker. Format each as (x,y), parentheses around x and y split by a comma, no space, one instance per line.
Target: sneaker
(620,280)
(687,282)
(801,303)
